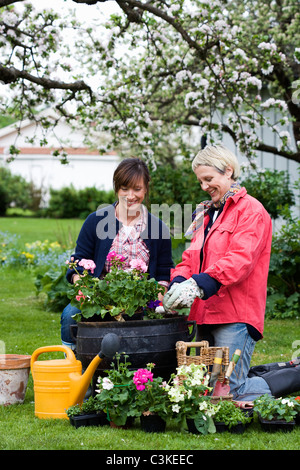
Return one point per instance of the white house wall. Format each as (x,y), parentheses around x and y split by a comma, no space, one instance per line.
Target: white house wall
(86,168)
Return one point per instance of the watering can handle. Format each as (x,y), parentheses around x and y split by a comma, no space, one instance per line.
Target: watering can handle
(60,347)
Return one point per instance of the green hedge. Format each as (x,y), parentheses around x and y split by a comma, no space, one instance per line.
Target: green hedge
(14,191)
(71,203)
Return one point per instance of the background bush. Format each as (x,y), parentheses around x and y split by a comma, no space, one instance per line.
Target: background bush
(284,275)
(272,189)
(14,191)
(71,203)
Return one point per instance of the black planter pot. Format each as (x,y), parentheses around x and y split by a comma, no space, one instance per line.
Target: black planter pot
(152,423)
(92,419)
(191,426)
(237,429)
(143,341)
(276,425)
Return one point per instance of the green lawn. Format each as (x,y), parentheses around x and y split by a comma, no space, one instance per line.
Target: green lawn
(26,326)
(31,229)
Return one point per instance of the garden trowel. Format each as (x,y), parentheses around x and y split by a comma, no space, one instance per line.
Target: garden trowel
(223,389)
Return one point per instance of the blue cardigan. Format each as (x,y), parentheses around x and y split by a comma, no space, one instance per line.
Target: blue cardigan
(99,230)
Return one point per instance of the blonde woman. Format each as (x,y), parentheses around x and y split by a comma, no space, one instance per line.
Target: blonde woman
(223,274)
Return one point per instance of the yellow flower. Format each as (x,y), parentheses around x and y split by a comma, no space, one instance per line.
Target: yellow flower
(27,255)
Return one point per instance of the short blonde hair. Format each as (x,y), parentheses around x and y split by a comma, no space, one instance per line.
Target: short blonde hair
(218,157)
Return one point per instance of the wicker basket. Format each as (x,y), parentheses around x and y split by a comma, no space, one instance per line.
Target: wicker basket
(206,356)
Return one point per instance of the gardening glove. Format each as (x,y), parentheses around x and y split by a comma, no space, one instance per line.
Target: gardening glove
(183,295)
(167,297)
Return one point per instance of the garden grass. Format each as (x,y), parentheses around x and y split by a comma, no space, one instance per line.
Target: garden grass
(26,326)
(29,229)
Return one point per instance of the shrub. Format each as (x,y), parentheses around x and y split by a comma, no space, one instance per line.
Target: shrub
(14,191)
(272,189)
(70,203)
(3,201)
(283,281)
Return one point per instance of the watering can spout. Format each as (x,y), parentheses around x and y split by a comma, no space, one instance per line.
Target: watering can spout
(80,383)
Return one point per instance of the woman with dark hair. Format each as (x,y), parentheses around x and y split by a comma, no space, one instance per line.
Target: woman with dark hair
(125,227)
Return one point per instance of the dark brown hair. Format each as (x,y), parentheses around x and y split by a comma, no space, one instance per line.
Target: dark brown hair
(129,172)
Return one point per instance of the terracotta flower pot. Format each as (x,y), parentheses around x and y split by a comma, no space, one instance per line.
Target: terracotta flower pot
(14,374)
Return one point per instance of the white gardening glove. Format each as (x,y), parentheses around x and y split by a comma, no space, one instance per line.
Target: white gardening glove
(168,295)
(183,295)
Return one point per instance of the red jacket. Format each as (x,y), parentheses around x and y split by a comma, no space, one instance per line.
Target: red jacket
(236,253)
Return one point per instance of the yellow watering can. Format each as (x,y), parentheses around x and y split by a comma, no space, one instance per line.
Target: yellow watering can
(59,383)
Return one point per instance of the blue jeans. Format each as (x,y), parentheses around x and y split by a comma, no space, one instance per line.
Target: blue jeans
(66,321)
(236,336)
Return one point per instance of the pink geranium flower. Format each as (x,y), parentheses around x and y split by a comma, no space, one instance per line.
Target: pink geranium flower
(87,264)
(141,377)
(80,296)
(139,265)
(114,256)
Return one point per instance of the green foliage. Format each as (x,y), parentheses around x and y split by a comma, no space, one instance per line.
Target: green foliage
(88,406)
(3,201)
(116,392)
(14,190)
(284,282)
(178,185)
(272,189)
(56,287)
(276,408)
(229,414)
(70,202)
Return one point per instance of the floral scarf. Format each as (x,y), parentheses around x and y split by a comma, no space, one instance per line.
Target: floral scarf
(204,206)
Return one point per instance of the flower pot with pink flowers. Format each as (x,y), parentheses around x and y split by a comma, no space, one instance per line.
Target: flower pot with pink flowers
(125,302)
(123,292)
(152,400)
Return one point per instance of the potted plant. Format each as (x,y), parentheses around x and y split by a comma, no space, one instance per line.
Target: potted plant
(115,393)
(86,414)
(122,292)
(187,391)
(276,413)
(230,418)
(106,305)
(151,400)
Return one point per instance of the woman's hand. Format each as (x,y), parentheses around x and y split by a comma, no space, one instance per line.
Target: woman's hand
(75,278)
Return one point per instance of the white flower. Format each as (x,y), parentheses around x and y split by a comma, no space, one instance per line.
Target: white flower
(254,81)
(176,408)
(267,46)
(241,53)
(268,70)
(107,384)
(286,401)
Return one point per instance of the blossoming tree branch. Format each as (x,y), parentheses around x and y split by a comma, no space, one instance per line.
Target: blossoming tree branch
(154,71)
